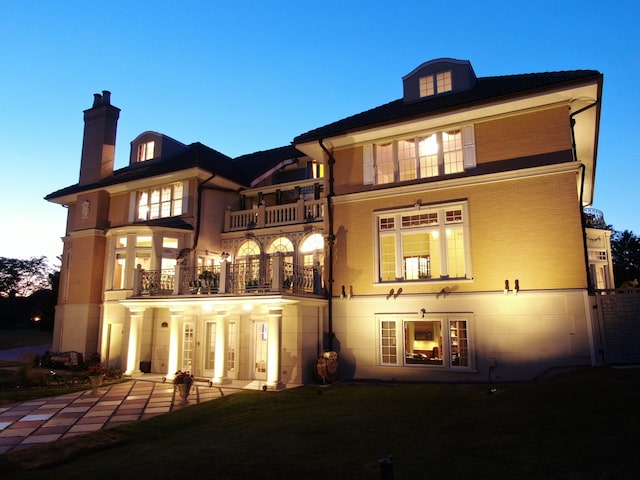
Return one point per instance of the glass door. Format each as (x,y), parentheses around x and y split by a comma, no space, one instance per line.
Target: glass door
(260,351)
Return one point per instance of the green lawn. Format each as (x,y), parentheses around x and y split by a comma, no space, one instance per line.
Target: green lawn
(583,425)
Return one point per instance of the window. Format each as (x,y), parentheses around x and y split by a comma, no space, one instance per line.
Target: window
(317,169)
(438,83)
(424,243)
(146,151)
(440,342)
(425,156)
(160,202)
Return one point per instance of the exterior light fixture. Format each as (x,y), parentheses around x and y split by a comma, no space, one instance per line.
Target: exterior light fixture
(423,311)
(516,288)
(506,287)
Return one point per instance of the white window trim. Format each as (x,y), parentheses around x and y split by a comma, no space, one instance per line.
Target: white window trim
(369,169)
(445,319)
(462,204)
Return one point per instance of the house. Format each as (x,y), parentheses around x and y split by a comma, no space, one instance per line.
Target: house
(438,237)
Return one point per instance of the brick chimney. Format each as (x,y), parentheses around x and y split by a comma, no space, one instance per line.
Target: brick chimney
(99,141)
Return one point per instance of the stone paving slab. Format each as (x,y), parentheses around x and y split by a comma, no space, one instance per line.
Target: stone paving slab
(49,419)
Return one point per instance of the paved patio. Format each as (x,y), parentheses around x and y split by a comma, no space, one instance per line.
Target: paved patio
(48,419)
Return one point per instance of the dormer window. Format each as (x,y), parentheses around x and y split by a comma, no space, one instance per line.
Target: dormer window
(437,83)
(146,151)
(438,77)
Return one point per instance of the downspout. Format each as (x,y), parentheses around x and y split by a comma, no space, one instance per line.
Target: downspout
(196,234)
(590,290)
(331,239)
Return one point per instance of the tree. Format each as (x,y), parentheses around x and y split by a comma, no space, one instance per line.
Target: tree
(21,278)
(625,250)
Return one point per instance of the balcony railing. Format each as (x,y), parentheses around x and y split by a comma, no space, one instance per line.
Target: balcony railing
(303,211)
(271,277)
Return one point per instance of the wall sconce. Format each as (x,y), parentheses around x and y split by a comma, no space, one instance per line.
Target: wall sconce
(423,311)
(350,292)
(390,294)
(506,287)
(397,293)
(224,256)
(516,288)
(343,293)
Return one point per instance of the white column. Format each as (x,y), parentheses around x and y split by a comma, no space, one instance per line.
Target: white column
(135,340)
(174,342)
(274,337)
(220,365)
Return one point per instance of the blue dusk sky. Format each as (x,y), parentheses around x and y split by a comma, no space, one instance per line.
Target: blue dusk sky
(242,76)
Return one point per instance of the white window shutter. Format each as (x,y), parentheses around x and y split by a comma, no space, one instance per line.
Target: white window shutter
(469,146)
(185,196)
(367,164)
(133,207)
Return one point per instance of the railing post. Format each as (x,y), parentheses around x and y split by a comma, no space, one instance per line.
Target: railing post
(137,281)
(177,279)
(261,215)
(300,213)
(224,275)
(278,268)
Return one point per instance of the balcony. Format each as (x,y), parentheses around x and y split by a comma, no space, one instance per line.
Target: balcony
(302,211)
(272,277)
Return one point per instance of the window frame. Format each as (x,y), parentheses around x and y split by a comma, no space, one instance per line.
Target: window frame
(163,201)
(391,161)
(446,222)
(456,352)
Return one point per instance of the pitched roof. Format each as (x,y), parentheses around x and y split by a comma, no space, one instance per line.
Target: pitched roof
(486,89)
(258,163)
(197,155)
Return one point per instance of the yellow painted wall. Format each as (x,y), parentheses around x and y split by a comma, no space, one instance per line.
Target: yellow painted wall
(518,136)
(526,229)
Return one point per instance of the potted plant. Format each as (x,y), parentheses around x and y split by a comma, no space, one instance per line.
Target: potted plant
(183,381)
(96,374)
(195,286)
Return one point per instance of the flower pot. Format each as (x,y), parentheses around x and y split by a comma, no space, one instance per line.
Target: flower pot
(183,391)
(96,381)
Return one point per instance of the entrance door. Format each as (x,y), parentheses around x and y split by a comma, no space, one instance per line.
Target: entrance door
(260,351)
(188,347)
(209,350)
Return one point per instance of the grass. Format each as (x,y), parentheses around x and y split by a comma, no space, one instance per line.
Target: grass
(583,425)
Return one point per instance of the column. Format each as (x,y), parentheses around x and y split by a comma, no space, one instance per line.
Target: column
(135,340)
(220,365)
(174,342)
(274,341)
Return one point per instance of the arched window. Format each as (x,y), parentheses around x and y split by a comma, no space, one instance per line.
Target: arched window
(248,265)
(312,250)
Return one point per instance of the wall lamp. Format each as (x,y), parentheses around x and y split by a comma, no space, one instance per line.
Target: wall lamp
(423,311)
(516,287)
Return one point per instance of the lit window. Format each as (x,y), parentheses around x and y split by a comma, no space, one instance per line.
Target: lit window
(317,170)
(440,153)
(169,242)
(438,83)
(440,342)
(160,202)
(428,243)
(146,151)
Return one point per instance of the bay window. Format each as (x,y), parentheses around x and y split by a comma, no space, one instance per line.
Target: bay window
(160,202)
(424,243)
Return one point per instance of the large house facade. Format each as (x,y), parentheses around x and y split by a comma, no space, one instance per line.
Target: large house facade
(439,237)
